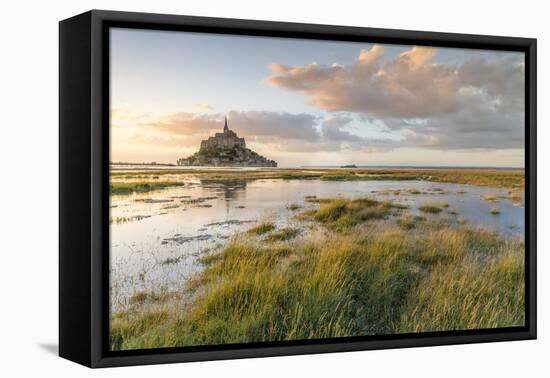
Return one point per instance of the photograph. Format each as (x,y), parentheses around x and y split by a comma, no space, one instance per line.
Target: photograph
(271,189)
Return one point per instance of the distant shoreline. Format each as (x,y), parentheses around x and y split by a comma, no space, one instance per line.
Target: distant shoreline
(402,167)
(407,167)
(151,164)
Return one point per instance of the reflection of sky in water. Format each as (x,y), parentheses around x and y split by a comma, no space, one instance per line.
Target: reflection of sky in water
(161,249)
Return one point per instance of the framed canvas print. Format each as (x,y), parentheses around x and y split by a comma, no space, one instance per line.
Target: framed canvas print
(234,188)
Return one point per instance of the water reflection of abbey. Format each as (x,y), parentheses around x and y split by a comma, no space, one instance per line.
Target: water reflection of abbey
(227,189)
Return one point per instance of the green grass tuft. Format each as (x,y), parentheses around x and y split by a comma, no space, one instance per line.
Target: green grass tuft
(469,294)
(406,223)
(262,228)
(433,208)
(340,214)
(122,188)
(284,234)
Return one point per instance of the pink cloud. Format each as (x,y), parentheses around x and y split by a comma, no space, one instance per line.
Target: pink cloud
(410,85)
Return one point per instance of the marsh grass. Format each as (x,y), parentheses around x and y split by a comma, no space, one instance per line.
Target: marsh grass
(294,207)
(515,196)
(173,206)
(406,223)
(121,188)
(490,197)
(483,177)
(192,201)
(335,284)
(359,271)
(138,297)
(123,219)
(142,297)
(311,199)
(470,293)
(432,209)
(262,228)
(339,214)
(172,260)
(283,234)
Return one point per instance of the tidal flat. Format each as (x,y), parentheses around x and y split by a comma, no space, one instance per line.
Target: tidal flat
(282,254)
(508,178)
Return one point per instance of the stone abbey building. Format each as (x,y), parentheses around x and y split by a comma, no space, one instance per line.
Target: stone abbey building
(226,149)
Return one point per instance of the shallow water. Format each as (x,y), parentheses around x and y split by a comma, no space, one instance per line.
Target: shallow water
(157,237)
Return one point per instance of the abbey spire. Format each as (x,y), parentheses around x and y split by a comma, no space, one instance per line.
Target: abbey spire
(225,128)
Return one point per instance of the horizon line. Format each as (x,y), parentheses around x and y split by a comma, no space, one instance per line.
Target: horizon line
(339,166)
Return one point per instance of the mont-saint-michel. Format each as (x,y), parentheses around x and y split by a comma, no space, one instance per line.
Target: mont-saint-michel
(226,149)
(375,221)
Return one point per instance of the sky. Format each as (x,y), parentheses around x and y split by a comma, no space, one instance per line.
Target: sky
(307,102)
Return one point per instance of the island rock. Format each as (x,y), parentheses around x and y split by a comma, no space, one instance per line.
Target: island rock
(225,149)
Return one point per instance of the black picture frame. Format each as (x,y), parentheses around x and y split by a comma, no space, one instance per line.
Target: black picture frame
(84,190)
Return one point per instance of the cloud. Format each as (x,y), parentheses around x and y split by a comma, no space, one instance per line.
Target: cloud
(407,86)
(245,123)
(165,140)
(502,81)
(123,117)
(299,126)
(278,130)
(332,129)
(186,123)
(204,107)
(477,104)
(337,137)
(481,129)
(302,132)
